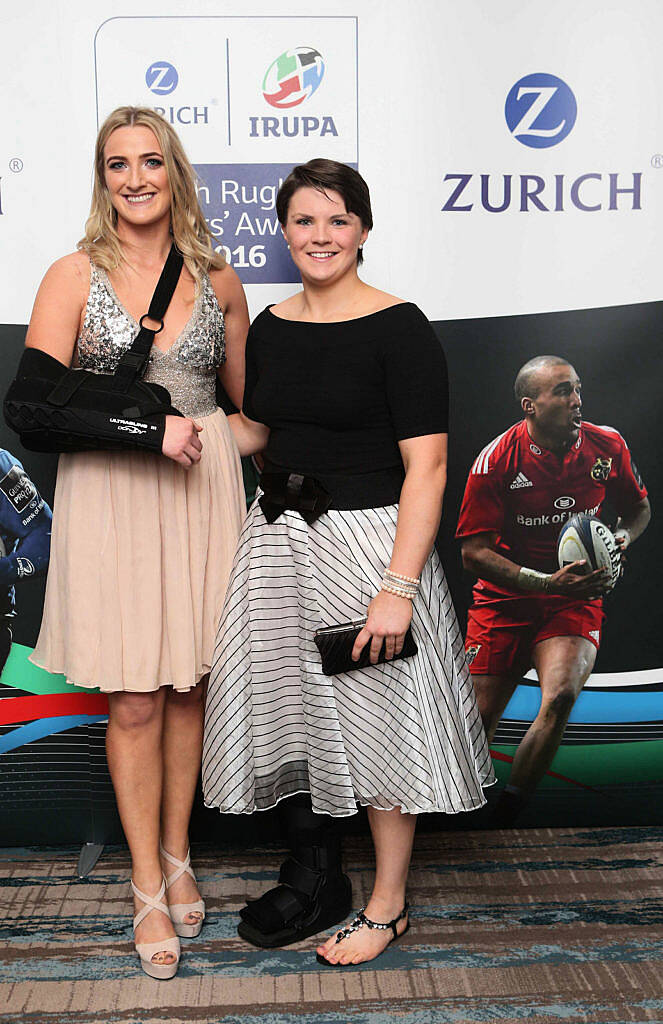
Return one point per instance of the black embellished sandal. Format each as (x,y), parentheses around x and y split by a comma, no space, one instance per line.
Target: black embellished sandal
(312,895)
(359,921)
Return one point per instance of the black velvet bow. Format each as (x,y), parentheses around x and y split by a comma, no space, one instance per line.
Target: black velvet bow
(303,494)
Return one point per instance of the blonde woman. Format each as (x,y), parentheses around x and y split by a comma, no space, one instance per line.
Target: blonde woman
(143,543)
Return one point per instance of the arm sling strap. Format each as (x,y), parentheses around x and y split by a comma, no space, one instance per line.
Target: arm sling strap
(56,409)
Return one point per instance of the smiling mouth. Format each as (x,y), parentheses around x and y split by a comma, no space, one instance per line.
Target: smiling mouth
(321,255)
(144,197)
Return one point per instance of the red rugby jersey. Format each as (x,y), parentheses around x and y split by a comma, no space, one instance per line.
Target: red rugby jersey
(524,493)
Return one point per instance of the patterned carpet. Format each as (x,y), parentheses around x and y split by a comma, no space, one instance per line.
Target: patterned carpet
(538,925)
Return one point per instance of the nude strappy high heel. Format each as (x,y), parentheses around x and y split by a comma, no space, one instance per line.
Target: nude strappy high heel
(146,950)
(179,911)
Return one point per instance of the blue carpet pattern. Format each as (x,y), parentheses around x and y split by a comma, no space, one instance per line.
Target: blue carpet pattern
(540,925)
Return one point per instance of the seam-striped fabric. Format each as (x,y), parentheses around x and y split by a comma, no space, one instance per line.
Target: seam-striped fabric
(611,430)
(405,734)
(482,461)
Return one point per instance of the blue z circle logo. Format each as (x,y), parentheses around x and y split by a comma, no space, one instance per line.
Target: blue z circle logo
(161,77)
(540,110)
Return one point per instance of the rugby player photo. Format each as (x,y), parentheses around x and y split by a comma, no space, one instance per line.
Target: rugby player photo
(526,611)
(25,539)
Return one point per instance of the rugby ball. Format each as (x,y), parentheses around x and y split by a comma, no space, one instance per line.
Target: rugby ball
(584,536)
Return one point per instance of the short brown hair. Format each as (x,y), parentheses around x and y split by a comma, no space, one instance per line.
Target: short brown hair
(328,176)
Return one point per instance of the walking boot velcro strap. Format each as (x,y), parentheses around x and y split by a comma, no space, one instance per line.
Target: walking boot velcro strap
(289,902)
(279,908)
(301,878)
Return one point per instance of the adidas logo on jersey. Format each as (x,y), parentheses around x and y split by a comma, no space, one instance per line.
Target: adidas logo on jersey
(520,481)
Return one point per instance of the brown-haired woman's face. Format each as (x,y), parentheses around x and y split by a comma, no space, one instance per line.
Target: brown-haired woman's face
(136,176)
(322,235)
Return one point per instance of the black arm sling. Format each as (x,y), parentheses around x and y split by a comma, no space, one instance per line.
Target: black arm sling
(56,409)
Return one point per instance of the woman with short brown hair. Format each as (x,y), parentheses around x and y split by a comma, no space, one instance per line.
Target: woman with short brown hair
(346,392)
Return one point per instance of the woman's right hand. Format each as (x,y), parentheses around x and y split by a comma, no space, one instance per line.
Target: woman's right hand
(181,442)
(387,621)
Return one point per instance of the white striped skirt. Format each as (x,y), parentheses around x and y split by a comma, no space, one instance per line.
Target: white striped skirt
(402,734)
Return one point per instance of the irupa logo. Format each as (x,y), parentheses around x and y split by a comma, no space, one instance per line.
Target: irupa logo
(293,77)
(540,112)
(289,81)
(291,127)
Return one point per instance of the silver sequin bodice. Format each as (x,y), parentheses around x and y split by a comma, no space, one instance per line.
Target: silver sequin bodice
(187,368)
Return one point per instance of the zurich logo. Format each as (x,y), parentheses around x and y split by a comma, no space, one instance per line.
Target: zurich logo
(161,77)
(540,110)
(565,502)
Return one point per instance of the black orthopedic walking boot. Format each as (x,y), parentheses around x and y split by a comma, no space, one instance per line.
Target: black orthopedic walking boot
(313,893)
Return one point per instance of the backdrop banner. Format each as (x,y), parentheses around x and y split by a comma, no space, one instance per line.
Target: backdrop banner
(515,161)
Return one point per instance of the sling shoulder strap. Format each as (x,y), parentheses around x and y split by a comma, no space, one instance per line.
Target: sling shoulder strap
(133,362)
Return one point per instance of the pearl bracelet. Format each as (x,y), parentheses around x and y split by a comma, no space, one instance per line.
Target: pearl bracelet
(403,586)
(397,577)
(398,592)
(389,580)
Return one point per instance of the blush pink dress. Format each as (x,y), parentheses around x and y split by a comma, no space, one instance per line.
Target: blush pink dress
(141,547)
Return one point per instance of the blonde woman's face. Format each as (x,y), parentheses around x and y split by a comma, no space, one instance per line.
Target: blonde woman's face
(136,176)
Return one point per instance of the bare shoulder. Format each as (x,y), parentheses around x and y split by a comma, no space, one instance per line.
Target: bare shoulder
(70,273)
(378,300)
(74,265)
(290,308)
(59,306)
(227,286)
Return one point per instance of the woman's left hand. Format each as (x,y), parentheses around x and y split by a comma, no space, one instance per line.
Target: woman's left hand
(388,619)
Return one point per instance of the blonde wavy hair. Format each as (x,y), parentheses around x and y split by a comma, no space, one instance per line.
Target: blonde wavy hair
(188,226)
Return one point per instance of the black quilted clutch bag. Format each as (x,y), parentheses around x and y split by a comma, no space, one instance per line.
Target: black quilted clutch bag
(335,644)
